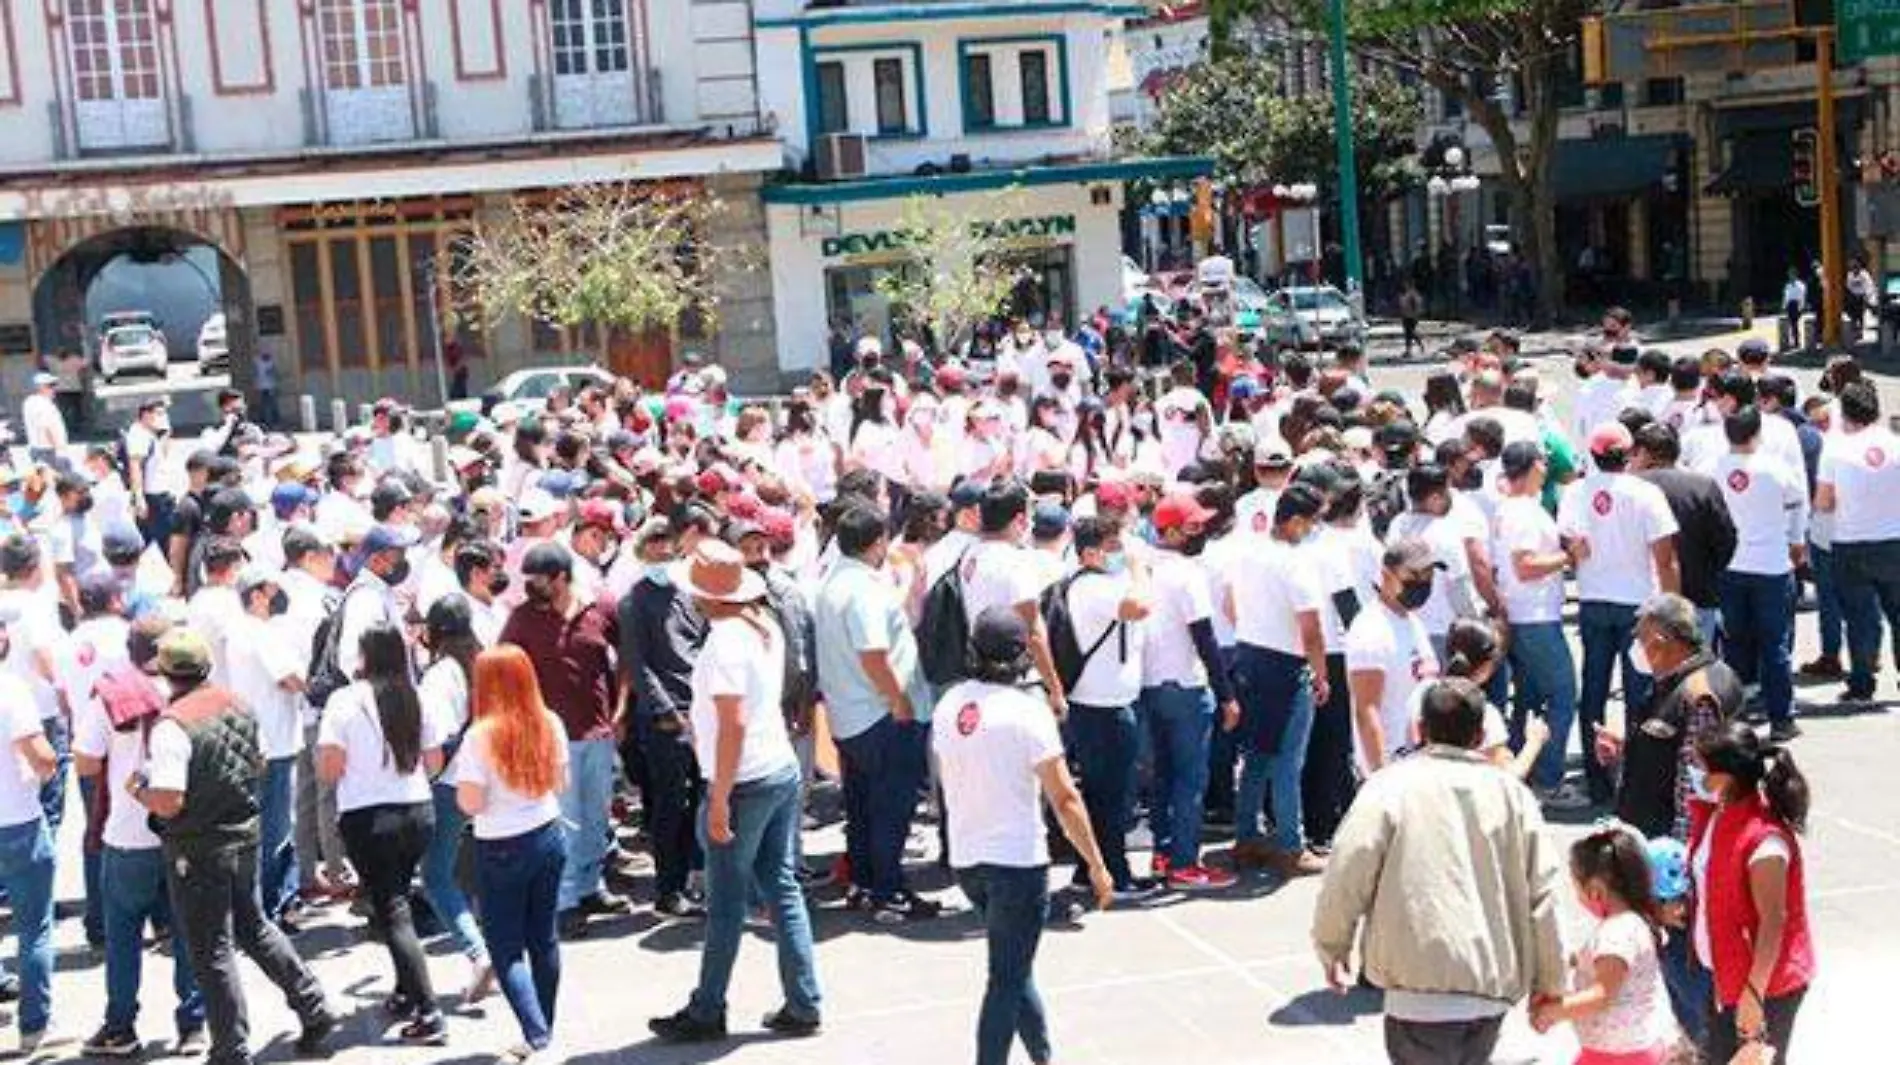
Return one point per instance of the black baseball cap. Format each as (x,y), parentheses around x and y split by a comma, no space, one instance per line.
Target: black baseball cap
(1518,457)
(547,560)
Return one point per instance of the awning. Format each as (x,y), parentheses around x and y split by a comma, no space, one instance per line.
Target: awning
(1605,168)
(1757,162)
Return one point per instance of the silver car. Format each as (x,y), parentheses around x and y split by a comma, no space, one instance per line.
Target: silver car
(132,349)
(1328,313)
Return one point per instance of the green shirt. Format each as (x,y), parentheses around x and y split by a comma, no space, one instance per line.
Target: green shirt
(1561,460)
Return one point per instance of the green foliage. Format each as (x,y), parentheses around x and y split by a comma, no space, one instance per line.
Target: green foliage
(1230,107)
(959,272)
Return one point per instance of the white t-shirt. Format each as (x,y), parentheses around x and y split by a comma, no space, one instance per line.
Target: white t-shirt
(370,776)
(32,622)
(444,694)
(19,787)
(44,425)
(510,813)
(1278,584)
(1177,416)
(260,657)
(1524,525)
(1253,512)
(216,612)
(1452,594)
(1221,562)
(124,753)
(1395,645)
(1348,560)
(1112,677)
(1621,515)
(737,660)
(1599,399)
(94,646)
(989,741)
(996,574)
(875,447)
(1639,1017)
(1769,509)
(1864,468)
(1179,587)
(1518,425)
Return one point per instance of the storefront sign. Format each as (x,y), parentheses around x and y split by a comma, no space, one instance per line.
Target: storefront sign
(885,241)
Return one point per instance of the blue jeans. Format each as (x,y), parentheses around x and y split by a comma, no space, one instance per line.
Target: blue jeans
(520,879)
(1606,629)
(134,889)
(438,877)
(1013,903)
(584,807)
(1547,686)
(1867,577)
(1827,599)
(1180,723)
(1102,742)
(26,871)
(89,861)
(765,826)
(53,791)
(1272,684)
(1759,641)
(883,769)
(276,852)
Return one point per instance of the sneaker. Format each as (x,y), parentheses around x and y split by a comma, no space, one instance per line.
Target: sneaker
(426,1031)
(1824,667)
(905,908)
(400,1006)
(604,904)
(857,899)
(1158,866)
(1292,864)
(784,1022)
(191,1043)
(312,1041)
(30,1042)
(1200,878)
(519,1054)
(1137,889)
(1784,731)
(573,924)
(1565,797)
(1850,695)
(679,906)
(110,1042)
(1252,854)
(683,1027)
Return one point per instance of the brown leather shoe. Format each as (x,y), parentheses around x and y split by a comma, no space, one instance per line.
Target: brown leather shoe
(1295,864)
(1252,854)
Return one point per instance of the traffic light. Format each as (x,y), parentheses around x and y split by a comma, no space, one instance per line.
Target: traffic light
(1807,148)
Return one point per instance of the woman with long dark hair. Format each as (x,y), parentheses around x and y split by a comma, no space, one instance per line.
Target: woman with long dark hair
(508,779)
(1751,909)
(377,748)
(806,454)
(1444,403)
(450,639)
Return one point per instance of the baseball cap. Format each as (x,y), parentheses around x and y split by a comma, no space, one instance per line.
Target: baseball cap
(537,505)
(288,497)
(1049,521)
(1114,495)
(1000,637)
(42,380)
(1244,387)
(602,514)
(950,377)
(121,541)
(656,528)
(96,591)
(1518,457)
(382,538)
(1411,557)
(1396,438)
(547,559)
(1610,438)
(1754,349)
(390,494)
(253,578)
(966,493)
(184,654)
(1273,453)
(1179,510)
(302,540)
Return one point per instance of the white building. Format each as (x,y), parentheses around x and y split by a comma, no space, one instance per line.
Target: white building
(309,157)
(998,109)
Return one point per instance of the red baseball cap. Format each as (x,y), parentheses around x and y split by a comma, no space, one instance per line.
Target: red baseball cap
(602,514)
(1115,495)
(1179,510)
(1610,437)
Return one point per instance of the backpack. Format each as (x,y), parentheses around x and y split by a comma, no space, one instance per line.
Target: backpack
(1386,501)
(943,628)
(1067,651)
(326,677)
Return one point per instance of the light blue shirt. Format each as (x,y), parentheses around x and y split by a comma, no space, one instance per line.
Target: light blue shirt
(859,610)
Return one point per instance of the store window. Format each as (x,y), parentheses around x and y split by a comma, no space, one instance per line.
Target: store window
(1015,83)
(980,110)
(888,77)
(834,114)
(1035,77)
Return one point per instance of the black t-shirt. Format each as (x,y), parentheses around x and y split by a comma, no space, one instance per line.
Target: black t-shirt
(188,521)
(1707,538)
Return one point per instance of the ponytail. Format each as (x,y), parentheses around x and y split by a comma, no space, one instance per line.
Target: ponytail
(1759,768)
(1785,788)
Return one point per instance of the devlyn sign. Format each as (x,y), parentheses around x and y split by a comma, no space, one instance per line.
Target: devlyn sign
(885,241)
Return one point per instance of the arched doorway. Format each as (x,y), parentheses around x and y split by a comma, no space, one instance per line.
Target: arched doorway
(179,284)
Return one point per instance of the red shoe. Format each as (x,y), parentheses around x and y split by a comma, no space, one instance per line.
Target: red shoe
(1201,878)
(1158,867)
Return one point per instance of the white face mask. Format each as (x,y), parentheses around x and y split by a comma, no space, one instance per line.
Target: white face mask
(1639,659)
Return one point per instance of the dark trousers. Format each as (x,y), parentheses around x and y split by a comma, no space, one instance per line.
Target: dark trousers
(673,792)
(1451,1043)
(386,843)
(216,906)
(1102,742)
(520,879)
(157,526)
(1867,576)
(1758,625)
(1606,630)
(1013,903)
(1327,784)
(1691,987)
(883,769)
(1777,1013)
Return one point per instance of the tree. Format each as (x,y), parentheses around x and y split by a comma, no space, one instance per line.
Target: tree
(621,257)
(1468,50)
(1229,106)
(958,273)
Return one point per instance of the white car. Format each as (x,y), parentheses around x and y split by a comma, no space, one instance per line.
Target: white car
(526,391)
(130,348)
(1135,280)
(214,349)
(1327,312)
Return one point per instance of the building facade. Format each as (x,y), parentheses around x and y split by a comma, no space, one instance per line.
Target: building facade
(994,111)
(311,162)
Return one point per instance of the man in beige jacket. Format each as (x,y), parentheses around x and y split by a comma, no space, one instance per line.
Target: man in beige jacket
(1445,860)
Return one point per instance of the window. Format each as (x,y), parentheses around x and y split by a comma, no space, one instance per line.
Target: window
(584,30)
(1661,92)
(114,49)
(981,106)
(833,115)
(1035,74)
(362,43)
(888,76)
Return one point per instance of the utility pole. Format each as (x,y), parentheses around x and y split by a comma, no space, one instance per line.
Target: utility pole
(1342,136)
(1828,171)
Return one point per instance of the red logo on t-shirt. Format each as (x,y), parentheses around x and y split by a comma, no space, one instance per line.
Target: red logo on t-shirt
(87,655)
(1260,521)
(1738,480)
(1876,458)
(968,719)
(1602,503)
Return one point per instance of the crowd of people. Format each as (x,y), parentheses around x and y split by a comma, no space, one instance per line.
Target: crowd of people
(1034,600)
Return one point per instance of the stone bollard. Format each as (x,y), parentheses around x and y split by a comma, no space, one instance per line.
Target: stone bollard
(1748,312)
(339,416)
(439,459)
(307,412)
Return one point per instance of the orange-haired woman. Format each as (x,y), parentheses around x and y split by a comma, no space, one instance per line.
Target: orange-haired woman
(508,777)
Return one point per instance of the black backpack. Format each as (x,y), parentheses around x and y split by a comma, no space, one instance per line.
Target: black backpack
(943,628)
(1064,647)
(326,677)
(1386,501)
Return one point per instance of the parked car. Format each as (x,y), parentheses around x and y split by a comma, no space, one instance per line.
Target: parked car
(1327,312)
(1259,316)
(214,351)
(130,348)
(526,391)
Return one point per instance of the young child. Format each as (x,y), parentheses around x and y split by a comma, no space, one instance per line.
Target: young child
(1689,990)
(1473,652)
(1622,1013)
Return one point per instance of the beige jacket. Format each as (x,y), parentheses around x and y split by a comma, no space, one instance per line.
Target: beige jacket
(1445,859)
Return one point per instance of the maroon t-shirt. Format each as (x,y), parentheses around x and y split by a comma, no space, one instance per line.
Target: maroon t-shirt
(573,660)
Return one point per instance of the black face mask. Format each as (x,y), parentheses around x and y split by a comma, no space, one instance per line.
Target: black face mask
(397,573)
(1472,479)
(499,582)
(1195,545)
(279,603)
(1060,380)
(83,504)
(1415,594)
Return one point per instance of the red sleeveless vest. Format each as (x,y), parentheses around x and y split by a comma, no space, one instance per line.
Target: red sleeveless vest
(1732,916)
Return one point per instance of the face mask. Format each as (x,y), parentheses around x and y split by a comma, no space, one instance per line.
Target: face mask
(279,603)
(1471,480)
(83,504)
(1639,659)
(537,590)
(1061,380)
(397,573)
(660,573)
(1023,340)
(1415,594)
(1195,545)
(1115,563)
(499,582)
